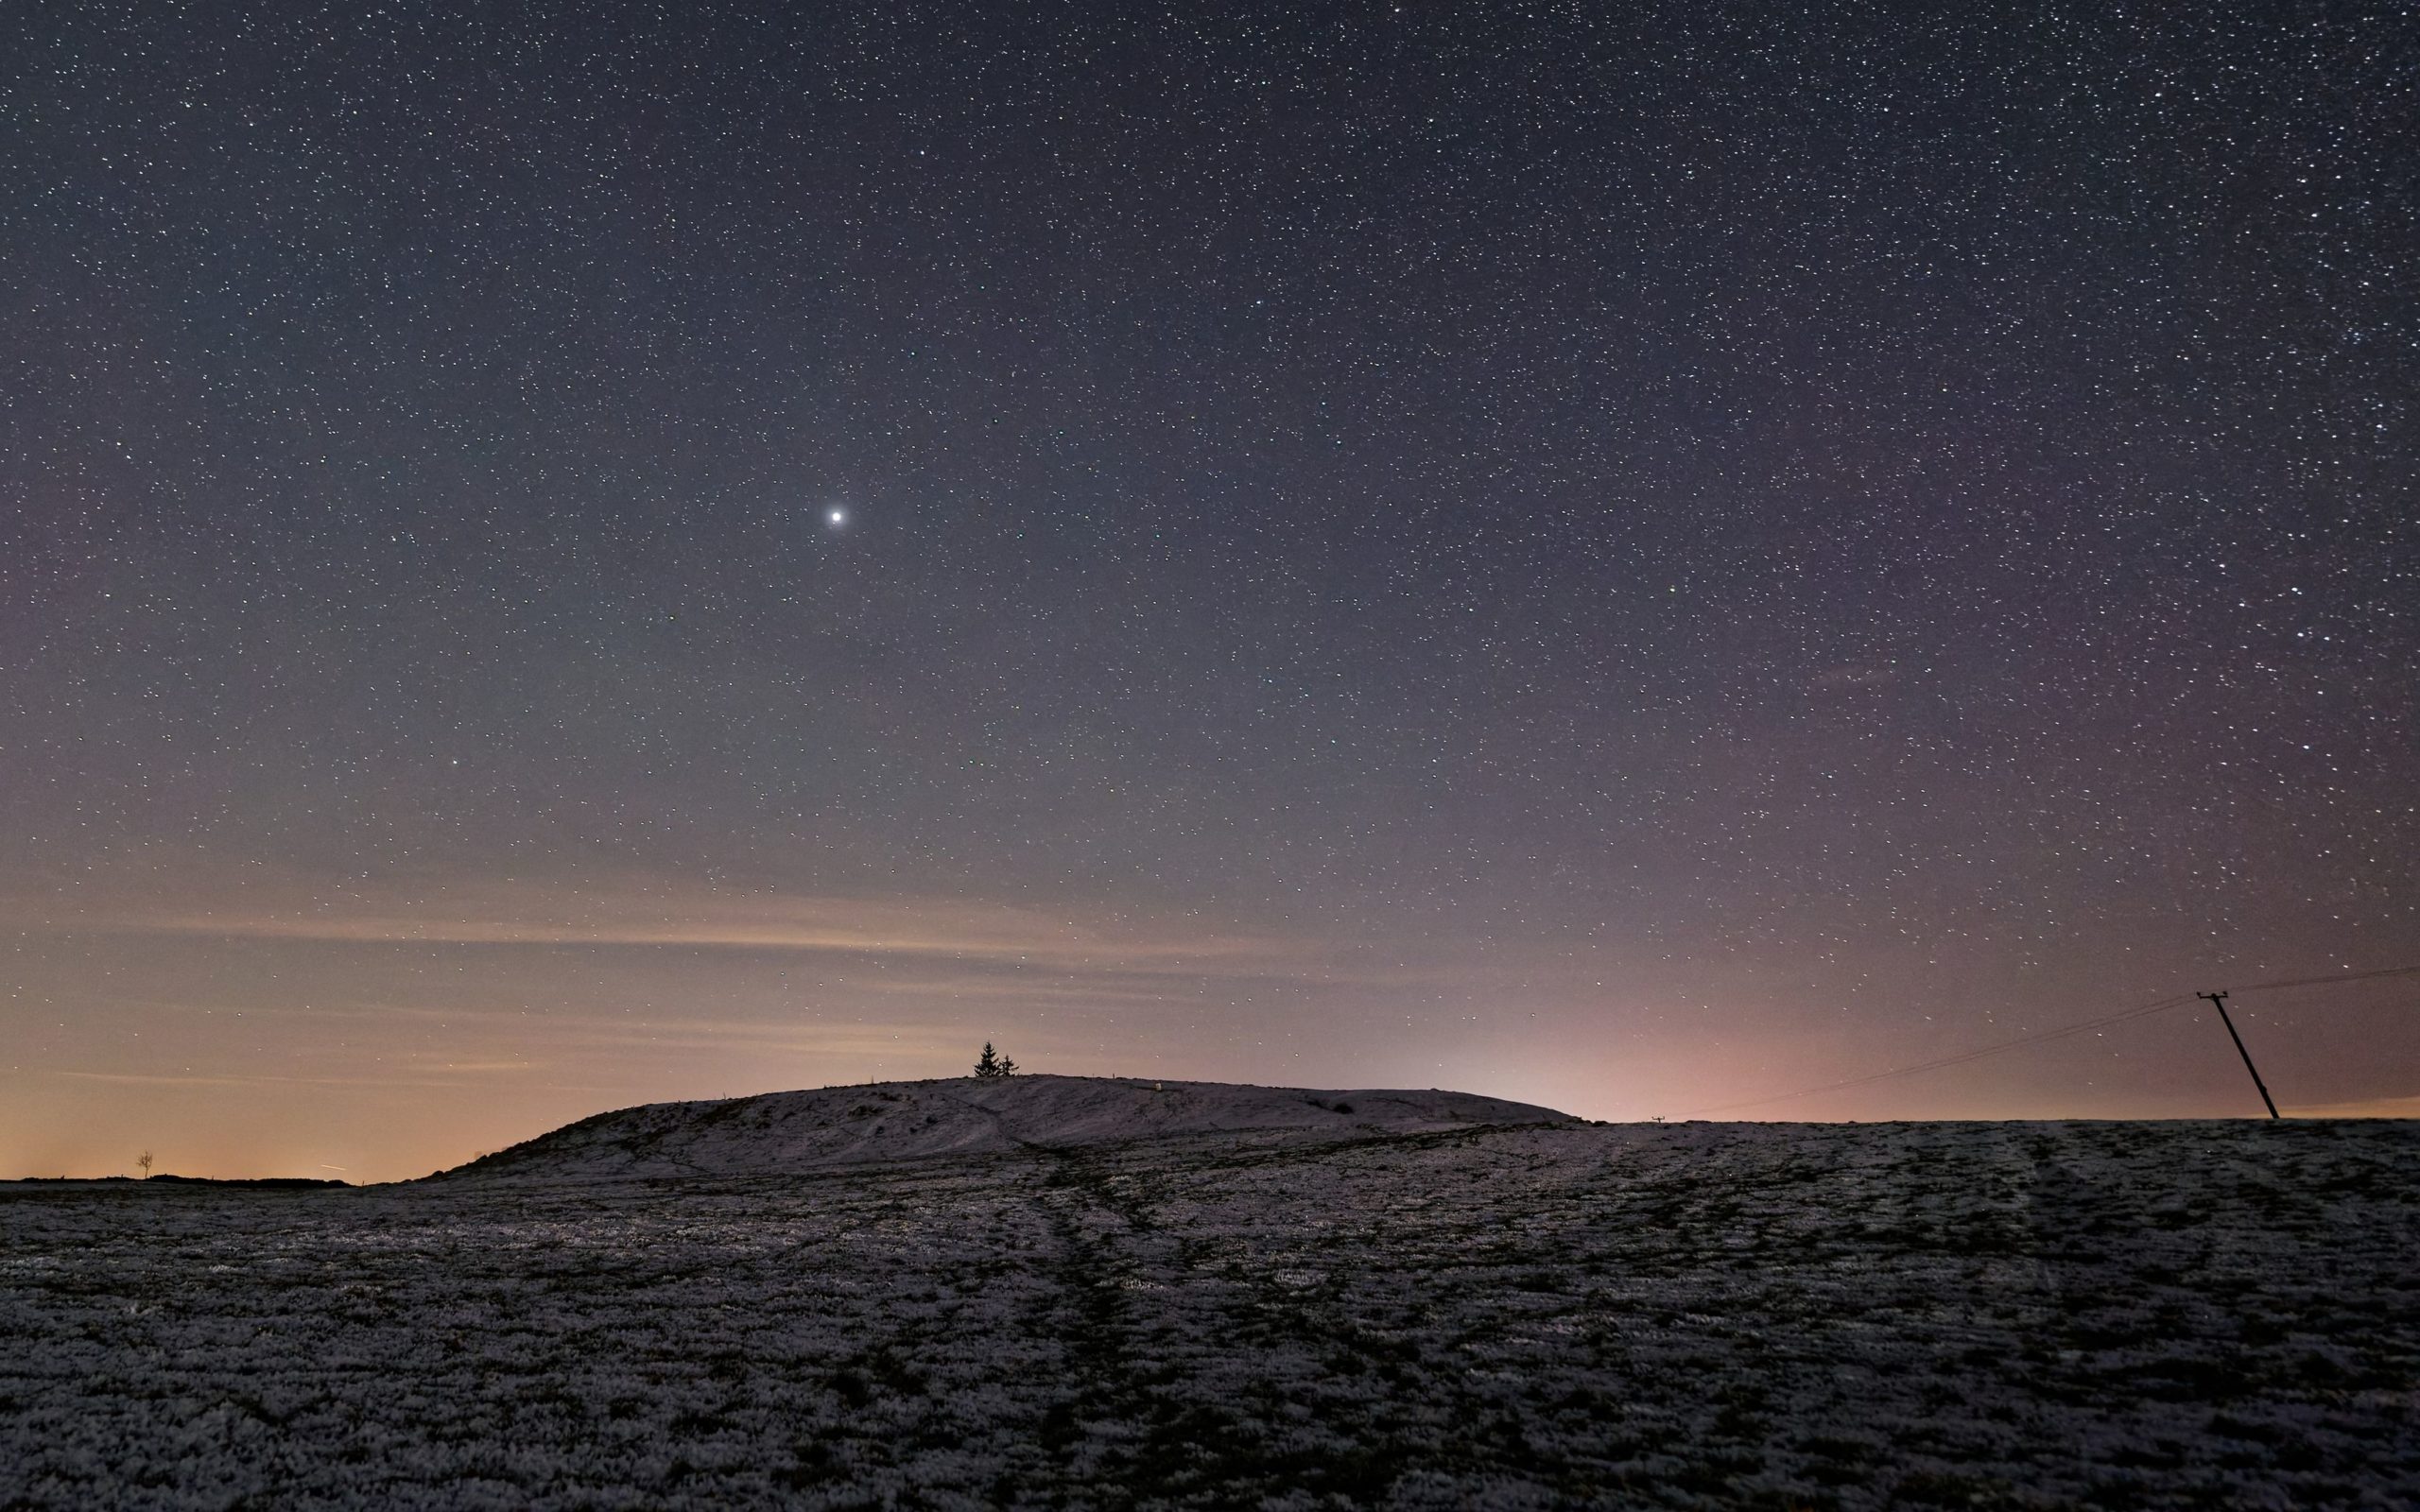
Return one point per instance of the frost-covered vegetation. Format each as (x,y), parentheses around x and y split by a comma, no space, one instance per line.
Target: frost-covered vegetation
(1995,1315)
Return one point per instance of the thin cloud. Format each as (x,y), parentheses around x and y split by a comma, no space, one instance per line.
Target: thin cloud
(431,1066)
(517,914)
(144,1079)
(431,1077)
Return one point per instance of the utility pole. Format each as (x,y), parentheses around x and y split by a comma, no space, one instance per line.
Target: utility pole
(2218,1000)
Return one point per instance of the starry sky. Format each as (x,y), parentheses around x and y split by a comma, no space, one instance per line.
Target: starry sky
(1639,558)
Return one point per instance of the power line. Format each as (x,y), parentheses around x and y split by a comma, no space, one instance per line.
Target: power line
(2143,1011)
(2120,1017)
(2329,981)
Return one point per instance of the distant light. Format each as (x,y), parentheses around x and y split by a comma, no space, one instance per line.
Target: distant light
(837,517)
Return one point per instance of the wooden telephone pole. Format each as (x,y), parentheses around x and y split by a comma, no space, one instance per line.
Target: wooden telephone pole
(2218,1000)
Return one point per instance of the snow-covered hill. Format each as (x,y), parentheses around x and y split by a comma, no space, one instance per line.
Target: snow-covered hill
(893,1121)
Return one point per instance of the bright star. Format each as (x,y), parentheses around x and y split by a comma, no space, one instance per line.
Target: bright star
(836,517)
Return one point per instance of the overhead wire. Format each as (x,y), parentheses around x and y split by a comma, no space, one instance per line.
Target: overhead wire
(2143,1011)
(2123,1015)
(2330,981)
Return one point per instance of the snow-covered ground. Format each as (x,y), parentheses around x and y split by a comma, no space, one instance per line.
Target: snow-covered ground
(1955,1315)
(909,1119)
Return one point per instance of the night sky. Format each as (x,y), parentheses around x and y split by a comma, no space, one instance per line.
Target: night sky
(1636,558)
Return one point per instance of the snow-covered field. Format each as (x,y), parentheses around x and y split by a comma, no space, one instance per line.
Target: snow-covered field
(1956,1315)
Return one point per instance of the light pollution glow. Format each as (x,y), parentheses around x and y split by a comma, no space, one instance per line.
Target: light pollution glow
(284,1028)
